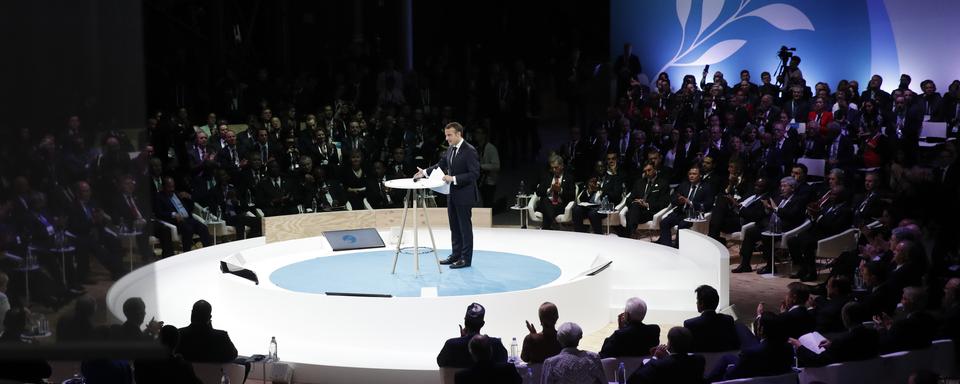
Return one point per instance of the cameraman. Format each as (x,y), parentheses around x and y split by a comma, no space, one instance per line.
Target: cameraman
(791,74)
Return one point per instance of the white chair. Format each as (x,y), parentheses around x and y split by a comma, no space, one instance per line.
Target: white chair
(210,373)
(653,224)
(786,378)
(831,247)
(782,244)
(630,365)
(366,204)
(943,358)
(815,167)
(448,374)
(899,365)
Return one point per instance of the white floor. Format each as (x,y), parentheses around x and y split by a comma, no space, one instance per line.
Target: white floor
(346,339)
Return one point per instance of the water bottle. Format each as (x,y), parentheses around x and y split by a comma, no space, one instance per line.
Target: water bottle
(796,362)
(621,374)
(313,204)
(224,379)
(522,188)
(272,353)
(513,350)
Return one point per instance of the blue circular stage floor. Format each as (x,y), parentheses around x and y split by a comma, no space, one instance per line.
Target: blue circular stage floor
(369,273)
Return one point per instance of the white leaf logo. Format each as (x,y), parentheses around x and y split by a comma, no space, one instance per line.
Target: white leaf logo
(683,12)
(711,10)
(783,16)
(719,52)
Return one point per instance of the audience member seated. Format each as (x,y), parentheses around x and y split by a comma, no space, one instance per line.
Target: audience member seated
(672,363)
(79,326)
(572,365)
(632,337)
(554,191)
(171,209)
(711,331)
(484,368)
(455,354)
(826,309)
(609,186)
(794,317)
(200,342)
(831,218)
(788,210)
(651,194)
(135,312)
(690,195)
(773,356)
(538,346)
(912,326)
(27,370)
(733,211)
(172,369)
(857,343)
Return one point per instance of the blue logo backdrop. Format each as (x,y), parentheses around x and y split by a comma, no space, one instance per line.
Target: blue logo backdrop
(836,40)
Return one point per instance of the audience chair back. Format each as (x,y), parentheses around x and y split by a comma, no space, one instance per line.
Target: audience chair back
(815,167)
(630,364)
(786,378)
(209,373)
(866,371)
(831,247)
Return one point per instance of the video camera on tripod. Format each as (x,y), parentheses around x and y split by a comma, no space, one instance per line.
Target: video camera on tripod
(783,79)
(785,53)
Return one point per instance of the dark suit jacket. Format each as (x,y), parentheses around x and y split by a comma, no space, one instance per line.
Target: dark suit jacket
(791,215)
(832,222)
(268,196)
(827,314)
(635,339)
(766,359)
(713,332)
(703,200)
(797,321)
(164,208)
(658,195)
(455,353)
(913,332)
(205,345)
(567,188)
(482,373)
(466,169)
(675,369)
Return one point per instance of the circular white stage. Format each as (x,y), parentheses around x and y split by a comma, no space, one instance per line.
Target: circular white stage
(396,339)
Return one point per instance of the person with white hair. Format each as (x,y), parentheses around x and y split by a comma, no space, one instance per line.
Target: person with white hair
(633,337)
(789,210)
(572,365)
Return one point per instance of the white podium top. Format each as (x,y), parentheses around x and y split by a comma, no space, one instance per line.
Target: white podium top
(410,184)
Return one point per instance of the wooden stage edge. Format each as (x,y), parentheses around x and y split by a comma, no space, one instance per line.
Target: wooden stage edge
(292,227)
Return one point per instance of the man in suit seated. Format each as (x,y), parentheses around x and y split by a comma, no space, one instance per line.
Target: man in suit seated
(200,342)
(455,354)
(788,210)
(651,193)
(737,194)
(633,337)
(607,185)
(827,309)
(572,365)
(554,191)
(690,195)
(378,194)
(857,343)
(773,356)
(484,368)
(830,219)
(711,331)
(911,328)
(672,363)
(90,224)
(795,318)
(275,193)
(171,209)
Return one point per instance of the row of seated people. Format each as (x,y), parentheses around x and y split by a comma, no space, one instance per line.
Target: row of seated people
(853,327)
(197,342)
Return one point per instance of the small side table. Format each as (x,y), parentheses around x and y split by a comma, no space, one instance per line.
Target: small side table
(522,201)
(773,250)
(609,213)
(131,238)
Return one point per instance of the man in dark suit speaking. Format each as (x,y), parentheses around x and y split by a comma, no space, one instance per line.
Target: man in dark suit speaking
(461,165)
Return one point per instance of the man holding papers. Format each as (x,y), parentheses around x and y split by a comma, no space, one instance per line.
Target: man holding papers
(460,165)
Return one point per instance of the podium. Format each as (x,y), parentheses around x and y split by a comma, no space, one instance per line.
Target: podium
(416,195)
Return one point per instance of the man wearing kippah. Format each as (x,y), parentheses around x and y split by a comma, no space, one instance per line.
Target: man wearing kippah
(455,353)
